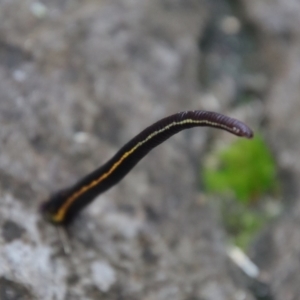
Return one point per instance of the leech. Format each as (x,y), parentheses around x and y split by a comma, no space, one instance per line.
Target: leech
(64,205)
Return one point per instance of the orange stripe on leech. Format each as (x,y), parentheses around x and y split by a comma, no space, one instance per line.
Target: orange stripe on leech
(59,216)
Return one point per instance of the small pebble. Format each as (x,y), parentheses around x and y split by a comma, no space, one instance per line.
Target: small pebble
(38,9)
(103,274)
(230,25)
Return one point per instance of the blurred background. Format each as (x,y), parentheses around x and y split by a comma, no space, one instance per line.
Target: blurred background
(204,216)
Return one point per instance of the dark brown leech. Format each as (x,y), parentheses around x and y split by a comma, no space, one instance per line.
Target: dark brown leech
(63,206)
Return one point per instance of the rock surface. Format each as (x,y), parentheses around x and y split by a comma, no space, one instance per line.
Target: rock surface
(78,80)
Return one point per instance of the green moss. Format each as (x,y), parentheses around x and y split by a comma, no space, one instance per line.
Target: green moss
(241,174)
(246,169)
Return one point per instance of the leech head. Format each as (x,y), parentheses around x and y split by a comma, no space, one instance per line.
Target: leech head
(217,120)
(234,126)
(241,129)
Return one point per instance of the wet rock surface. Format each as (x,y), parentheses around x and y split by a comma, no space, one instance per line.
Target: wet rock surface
(77,81)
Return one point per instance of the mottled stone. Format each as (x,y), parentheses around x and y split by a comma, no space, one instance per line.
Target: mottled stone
(11,231)
(11,290)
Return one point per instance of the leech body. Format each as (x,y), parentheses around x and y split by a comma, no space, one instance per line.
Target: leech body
(63,206)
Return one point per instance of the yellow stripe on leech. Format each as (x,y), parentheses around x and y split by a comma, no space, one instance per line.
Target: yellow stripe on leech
(60,215)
